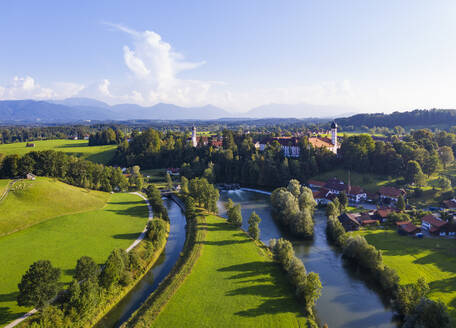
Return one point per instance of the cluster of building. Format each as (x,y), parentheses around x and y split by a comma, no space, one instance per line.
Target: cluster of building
(326,191)
(213,141)
(290,145)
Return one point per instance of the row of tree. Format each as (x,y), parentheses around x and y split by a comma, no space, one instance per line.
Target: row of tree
(106,137)
(308,285)
(293,207)
(93,285)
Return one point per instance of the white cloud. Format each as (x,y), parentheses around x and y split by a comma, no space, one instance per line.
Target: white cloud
(27,88)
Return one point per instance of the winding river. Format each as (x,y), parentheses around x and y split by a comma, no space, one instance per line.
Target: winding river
(133,300)
(349,299)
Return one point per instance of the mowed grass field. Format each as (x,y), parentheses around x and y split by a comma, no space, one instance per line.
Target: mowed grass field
(80,148)
(63,240)
(434,259)
(370,182)
(31,202)
(233,284)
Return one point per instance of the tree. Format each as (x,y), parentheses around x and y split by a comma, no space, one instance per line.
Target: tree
(343,201)
(312,290)
(169,181)
(113,268)
(254,230)
(446,155)
(414,174)
(235,215)
(51,316)
(409,296)
(444,183)
(294,187)
(400,205)
(184,185)
(39,285)
(332,209)
(86,269)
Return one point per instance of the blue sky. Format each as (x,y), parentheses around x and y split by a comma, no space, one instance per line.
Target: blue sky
(362,55)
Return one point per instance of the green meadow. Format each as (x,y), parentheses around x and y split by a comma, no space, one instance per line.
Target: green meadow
(234,283)
(434,259)
(64,239)
(31,202)
(80,148)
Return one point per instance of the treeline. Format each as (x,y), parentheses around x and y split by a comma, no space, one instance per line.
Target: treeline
(419,154)
(293,207)
(410,301)
(94,286)
(236,161)
(406,119)
(106,137)
(72,170)
(307,285)
(199,192)
(156,202)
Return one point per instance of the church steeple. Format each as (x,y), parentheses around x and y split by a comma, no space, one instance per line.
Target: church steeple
(194,141)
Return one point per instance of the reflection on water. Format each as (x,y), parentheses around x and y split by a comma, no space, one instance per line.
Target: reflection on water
(133,300)
(349,298)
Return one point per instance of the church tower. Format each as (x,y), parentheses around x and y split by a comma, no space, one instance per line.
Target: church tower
(194,142)
(334,135)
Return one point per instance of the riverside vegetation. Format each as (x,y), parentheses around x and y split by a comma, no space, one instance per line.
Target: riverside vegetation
(410,301)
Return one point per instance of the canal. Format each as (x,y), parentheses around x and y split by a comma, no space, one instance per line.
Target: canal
(349,299)
(133,300)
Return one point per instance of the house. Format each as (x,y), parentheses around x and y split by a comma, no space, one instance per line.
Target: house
(316,183)
(30,176)
(382,213)
(450,204)
(320,196)
(367,219)
(407,228)
(349,221)
(322,142)
(172,171)
(356,194)
(433,224)
(29,144)
(449,229)
(335,186)
(390,194)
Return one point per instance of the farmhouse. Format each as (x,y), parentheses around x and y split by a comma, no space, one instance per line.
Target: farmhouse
(407,228)
(382,213)
(316,183)
(390,193)
(30,176)
(432,224)
(356,193)
(349,221)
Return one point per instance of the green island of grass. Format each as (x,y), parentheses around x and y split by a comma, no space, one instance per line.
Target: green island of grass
(30,202)
(234,283)
(433,259)
(80,148)
(64,239)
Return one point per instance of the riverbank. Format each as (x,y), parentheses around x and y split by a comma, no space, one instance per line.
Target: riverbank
(151,308)
(234,283)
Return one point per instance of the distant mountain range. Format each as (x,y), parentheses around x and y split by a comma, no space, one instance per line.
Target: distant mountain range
(84,109)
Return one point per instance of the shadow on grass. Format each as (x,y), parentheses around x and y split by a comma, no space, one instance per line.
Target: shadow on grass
(271,290)
(6,316)
(139,211)
(223,242)
(128,236)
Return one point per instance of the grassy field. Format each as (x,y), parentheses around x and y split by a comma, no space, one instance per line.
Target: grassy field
(3,185)
(430,258)
(80,148)
(63,240)
(31,202)
(233,284)
(370,182)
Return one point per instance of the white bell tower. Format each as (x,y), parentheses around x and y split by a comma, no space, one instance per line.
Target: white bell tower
(334,135)
(194,142)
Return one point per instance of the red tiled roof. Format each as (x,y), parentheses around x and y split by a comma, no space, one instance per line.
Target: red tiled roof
(369,221)
(318,142)
(391,192)
(408,227)
(433,221)
(384,212)
(316,183)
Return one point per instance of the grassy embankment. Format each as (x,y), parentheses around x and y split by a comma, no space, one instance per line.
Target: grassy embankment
(31,202)
(430,258)
(234,283)
(64,239)
(80,148)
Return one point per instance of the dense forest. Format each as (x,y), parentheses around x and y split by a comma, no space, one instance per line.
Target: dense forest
(417,117)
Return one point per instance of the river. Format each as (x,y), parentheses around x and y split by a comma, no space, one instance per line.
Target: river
(348,298)
(133,300)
